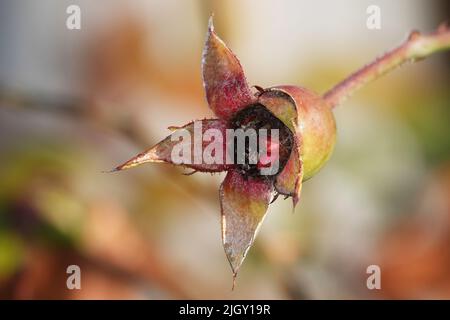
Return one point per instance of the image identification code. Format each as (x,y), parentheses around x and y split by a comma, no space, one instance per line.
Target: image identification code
(227,310)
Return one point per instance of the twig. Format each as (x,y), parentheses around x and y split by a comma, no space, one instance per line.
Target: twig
(415,48)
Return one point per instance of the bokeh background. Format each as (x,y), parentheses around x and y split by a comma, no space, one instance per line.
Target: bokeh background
(76,103)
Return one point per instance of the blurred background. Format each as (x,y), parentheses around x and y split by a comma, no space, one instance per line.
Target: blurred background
(74,103)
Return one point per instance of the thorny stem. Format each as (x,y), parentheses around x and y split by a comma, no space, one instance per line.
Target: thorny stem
(415,48)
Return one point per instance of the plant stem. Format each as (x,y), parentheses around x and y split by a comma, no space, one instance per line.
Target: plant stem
(415,48)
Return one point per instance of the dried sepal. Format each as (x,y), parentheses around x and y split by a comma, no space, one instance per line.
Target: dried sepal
(162,151)
(224,80)
(244,202)
(289,181)
(282,105)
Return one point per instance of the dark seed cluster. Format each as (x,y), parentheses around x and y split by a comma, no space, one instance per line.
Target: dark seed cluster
(258,117)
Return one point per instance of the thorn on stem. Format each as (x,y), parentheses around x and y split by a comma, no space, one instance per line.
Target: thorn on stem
(413,35)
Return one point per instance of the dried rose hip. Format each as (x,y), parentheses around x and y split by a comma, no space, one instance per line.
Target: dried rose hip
(305,126)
